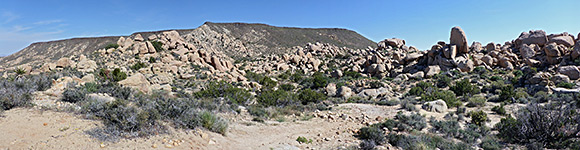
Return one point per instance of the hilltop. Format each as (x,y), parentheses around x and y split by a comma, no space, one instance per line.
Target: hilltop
(235,39)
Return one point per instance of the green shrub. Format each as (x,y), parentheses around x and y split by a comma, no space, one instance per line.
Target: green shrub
(352,74)
(478,117)
(152,60)
(118,75)
(319,80)
(225,90)
(447,96)
(287,87)
(408,104)
(213,123)
(566,85)
(18,91)
(307,95)
(464,87)
(507,94)
(388,102)
(476,101)
(373,134)
(443,80)
(553,125)
(499,110)
(490,143)
(276,98)
(19,71)
(91,87)
(419,141)
(495,78)
(410,122)
(448,128)
(138,66)
(267,83)
(73,95)
(302,139)
(112,45)
(158,46)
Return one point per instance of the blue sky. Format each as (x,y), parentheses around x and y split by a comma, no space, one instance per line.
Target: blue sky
(420,23)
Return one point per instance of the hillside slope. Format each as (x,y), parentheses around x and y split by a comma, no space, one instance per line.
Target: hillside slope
(229,38)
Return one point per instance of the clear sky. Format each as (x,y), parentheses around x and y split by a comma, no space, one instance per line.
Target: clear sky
(420,23)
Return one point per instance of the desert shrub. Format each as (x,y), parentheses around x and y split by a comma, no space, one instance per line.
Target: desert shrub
(566,85)
(213,122)
(424,141)
(371,134)
(507,94)
(287,87)
(17,91)
(118,75)
(267,83)
(464,87)
(499,110)
(420,88)
(478,117)
(476,101)
(554,125)
(443,80)
(319,80)
(376,84)
(308,95)
(302,139)
(410,122)
(226,90)
(408,104)
(157,45)
(73,95)
(275,98)
(448,128)
(19,71)
(91,87)
(352,74)
(391,102)
(297,76)
(490,143)
(152,60)
(447,96)
(138,66)
(495,78)
(112,45)
(472,132)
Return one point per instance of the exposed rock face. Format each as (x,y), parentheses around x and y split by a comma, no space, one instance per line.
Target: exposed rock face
(528,51)
(576,51)
(533,37)
(435,106)
(344,92)
(137,81)
(331,89)
(86,65)
(564,39)
(432,70)
(571,71)
(459,38)
(64,62)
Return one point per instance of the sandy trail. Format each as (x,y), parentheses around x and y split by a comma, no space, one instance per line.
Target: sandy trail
(28,128)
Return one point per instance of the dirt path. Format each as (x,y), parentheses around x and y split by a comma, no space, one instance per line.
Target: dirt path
(27,128)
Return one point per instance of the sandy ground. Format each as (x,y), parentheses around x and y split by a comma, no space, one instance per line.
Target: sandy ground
(29,128)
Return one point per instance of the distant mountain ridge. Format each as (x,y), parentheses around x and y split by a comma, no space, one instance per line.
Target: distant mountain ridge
(227,37)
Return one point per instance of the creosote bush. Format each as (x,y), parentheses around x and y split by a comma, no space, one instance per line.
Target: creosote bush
(478,117)
(464,87)
(226,90)
(553,125)
(138,65)
(157,45)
